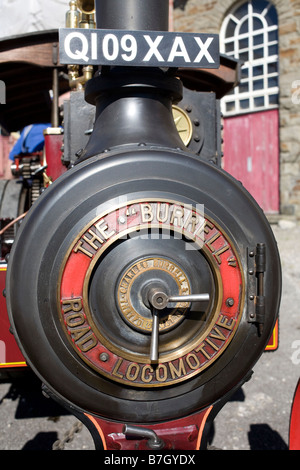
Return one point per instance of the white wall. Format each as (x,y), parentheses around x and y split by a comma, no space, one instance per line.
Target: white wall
(24,16)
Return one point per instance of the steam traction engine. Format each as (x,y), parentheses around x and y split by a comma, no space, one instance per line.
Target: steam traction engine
(144,283)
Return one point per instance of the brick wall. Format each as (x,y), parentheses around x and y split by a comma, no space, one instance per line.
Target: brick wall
(207,16)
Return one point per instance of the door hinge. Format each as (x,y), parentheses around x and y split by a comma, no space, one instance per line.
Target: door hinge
(256,294)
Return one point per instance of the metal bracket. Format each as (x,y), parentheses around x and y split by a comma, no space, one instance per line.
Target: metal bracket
(256,297)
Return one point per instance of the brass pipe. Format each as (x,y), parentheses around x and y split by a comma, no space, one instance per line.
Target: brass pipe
(72,15)
(86,6)
(87,13)
(81,14)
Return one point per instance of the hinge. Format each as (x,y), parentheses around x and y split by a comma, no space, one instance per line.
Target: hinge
(256,295)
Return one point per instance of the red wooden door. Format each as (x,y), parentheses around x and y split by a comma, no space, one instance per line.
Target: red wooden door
(251,155)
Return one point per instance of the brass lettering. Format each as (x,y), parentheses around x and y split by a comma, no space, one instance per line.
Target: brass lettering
(102,229)
(162,216)
(192,220)
(217,334)
(177,372)
(205,353)
(193,361)
(208,226)
(79,247)
(219,252)
(203,228)
(77,319)
(147,213)
(87,344)
(212,240)
(125,307)
(78,333)
(130,211)
(177,214)
(135,368)
(90,238)
(131,274)
(91,241)
(232,262)
(116,368)
(164,376)
(75,322)
(75,305)
(225,322)
(147,374)
(133,317)
(213,345)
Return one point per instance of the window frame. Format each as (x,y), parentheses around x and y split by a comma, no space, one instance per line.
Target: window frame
(252,89)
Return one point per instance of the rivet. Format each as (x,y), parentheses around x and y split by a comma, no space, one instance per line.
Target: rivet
(104,357)
(122,220)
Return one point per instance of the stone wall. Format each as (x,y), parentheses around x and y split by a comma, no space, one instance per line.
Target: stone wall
(207,16)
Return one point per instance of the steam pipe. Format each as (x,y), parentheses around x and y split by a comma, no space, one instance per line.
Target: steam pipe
(133,105)
(145,15)
(154,442)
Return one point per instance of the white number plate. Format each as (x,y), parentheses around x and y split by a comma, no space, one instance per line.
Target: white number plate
(138,48)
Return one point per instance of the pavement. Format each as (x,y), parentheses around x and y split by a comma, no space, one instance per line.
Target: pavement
(256,418)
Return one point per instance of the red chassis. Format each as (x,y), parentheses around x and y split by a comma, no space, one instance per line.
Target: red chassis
(294,436)
(10,354)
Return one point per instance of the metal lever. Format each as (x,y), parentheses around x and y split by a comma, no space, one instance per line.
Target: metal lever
(154,336)
(189,298)
(158,301)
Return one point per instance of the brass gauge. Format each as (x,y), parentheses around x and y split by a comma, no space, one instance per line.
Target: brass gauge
(183,124)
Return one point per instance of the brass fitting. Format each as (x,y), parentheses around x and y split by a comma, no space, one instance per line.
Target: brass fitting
(81,14)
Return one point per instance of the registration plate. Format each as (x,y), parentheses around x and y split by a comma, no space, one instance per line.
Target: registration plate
(138,48)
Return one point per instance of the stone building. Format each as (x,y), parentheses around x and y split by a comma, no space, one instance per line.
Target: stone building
(265,37)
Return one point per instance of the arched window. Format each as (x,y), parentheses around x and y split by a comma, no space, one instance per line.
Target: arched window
(250,33)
